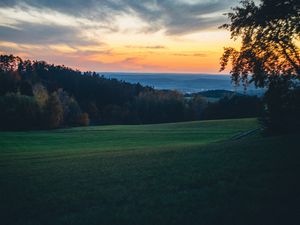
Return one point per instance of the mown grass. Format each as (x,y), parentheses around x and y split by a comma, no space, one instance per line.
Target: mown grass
(108,138)
(185,173)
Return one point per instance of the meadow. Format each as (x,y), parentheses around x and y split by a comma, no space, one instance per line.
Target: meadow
(178,173)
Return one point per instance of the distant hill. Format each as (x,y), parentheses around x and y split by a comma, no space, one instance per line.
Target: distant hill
(184,83)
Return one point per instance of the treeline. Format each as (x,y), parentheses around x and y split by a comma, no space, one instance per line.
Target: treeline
(37,95)
(236,106)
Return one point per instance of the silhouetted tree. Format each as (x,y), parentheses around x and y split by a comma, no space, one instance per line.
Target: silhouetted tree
(283,106)
(269,33)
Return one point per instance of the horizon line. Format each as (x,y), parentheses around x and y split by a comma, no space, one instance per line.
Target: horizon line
(166,73)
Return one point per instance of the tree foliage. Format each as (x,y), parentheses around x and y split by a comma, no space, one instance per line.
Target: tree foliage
(270,54)
(234,107)
(58,96)
(54,111)
(282,108)
(270,41)
(19,112)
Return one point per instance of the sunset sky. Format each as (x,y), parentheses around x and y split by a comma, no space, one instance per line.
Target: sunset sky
(118,35)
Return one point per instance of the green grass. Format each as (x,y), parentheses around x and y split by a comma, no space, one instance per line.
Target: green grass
(108,138)
(184,173)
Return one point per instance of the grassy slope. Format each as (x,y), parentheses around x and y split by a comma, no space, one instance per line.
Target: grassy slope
(157,174)
(108,138)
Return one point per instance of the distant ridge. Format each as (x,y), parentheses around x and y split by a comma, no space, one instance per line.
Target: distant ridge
(185,83)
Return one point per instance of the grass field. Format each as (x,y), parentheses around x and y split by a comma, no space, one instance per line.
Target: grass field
(181,173)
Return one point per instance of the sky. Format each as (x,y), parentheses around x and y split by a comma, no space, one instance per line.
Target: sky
(173,36)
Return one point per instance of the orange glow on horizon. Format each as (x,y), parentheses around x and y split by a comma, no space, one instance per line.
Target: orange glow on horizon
(190,54)
(180,57)
(127,49)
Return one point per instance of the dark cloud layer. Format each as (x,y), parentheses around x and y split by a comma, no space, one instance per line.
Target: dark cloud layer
(174,16)
(28,33)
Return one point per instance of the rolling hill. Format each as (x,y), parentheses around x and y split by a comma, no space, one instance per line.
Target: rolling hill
(180,173)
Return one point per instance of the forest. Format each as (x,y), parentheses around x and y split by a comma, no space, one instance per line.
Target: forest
(38,95)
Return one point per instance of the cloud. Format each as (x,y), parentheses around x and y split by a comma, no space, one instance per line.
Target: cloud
(191,54)
(174,16)
(94,33)
(146,47)
(63,55)
(29,33)
(180,17)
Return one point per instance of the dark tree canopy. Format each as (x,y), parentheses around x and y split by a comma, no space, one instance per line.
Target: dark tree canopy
(270,34)
(37,95)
